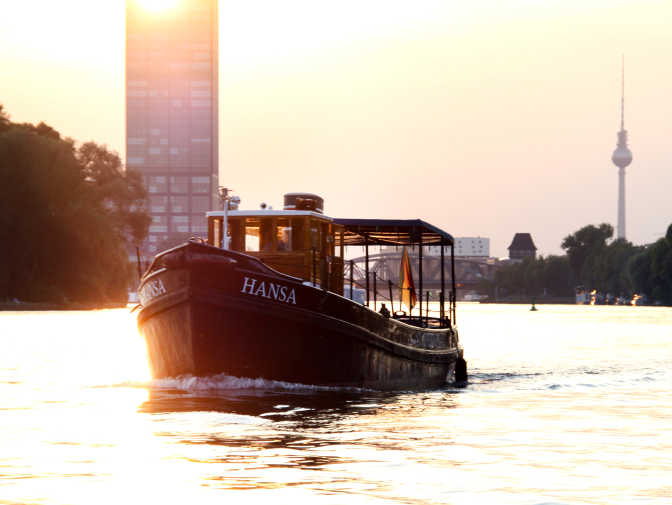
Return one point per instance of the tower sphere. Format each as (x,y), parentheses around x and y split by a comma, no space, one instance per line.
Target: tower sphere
(622,156)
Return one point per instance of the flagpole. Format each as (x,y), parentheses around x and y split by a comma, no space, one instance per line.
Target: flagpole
(420,272)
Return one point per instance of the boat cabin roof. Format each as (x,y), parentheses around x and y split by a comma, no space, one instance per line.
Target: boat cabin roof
(392,232)
(359,232)
(268,213)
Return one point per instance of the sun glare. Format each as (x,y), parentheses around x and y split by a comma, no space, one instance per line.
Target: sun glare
(158,5)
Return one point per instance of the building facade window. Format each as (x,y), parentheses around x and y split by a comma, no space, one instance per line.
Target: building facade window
(179,224)
(157,184)
(158,204)
(179,204)
(179,184)
(200,184)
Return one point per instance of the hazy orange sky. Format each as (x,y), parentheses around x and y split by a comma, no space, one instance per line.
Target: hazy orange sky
(486,117)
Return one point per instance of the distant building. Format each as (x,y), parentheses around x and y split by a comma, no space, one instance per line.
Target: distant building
(172,112)
(466,247)
(522,247)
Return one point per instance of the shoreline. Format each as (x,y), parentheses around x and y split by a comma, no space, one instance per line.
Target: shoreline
(537,301)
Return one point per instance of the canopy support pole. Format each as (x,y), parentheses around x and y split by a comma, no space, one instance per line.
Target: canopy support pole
(442,301)
(375,290)
(452,274)
(366,248)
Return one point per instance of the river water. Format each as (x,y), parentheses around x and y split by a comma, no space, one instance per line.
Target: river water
(565,405)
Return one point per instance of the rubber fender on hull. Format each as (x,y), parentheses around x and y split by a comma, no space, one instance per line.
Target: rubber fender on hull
(461,370)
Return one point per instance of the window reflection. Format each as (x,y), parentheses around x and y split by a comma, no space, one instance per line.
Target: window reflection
(252,235)
(284,235)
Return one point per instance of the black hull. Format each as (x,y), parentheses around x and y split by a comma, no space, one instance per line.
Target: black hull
(200,316)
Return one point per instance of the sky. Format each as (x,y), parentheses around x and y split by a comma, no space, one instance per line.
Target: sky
(485,118)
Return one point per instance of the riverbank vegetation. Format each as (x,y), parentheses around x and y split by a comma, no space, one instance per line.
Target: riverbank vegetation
(69,216)
(596,262)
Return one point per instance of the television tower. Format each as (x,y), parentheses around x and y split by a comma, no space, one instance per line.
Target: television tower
(622,157)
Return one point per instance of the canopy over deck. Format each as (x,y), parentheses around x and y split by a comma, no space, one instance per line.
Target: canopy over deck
(391,232)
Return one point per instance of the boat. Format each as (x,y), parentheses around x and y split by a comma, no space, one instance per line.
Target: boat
(263,296)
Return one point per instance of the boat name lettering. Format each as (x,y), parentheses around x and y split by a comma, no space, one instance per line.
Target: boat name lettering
(153,289)
(252,286)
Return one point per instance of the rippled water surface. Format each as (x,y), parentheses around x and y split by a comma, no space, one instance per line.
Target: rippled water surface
(565,405)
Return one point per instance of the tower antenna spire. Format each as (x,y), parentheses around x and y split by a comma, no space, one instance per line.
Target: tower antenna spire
(622,91)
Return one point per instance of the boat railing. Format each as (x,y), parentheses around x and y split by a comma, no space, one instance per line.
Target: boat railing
(427,318)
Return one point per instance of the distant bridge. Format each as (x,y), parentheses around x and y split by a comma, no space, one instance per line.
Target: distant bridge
(468,271)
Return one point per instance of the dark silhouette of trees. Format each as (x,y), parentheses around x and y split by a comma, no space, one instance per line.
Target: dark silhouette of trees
(550,276)
(67,218)
(650,271)
(584,246)
(597,264)
(618,268)
(4,118)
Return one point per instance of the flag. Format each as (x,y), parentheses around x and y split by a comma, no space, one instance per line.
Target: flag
(406,285)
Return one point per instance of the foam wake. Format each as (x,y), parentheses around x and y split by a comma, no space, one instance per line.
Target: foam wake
(229,382)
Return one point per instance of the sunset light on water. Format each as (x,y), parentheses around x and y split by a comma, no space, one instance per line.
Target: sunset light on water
(572,414)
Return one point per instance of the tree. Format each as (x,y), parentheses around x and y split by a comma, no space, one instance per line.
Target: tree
(534,277)
(583,247)
(4,119)
(122,192)
(67,216)
(651,271)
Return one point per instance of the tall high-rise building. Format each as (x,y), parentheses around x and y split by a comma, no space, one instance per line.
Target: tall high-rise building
(172,111)
(622,157)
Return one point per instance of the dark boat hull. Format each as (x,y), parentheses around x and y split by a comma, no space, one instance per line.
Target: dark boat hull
(205,312)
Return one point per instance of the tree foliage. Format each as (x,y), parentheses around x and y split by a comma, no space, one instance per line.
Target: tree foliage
(650,270)
(67,217)
(535,277)
(597,264)
(618,268)
(584,246)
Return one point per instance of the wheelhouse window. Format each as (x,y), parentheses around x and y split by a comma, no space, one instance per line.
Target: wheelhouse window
(217,231)
(284,235)
(275,234)
(252,234)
